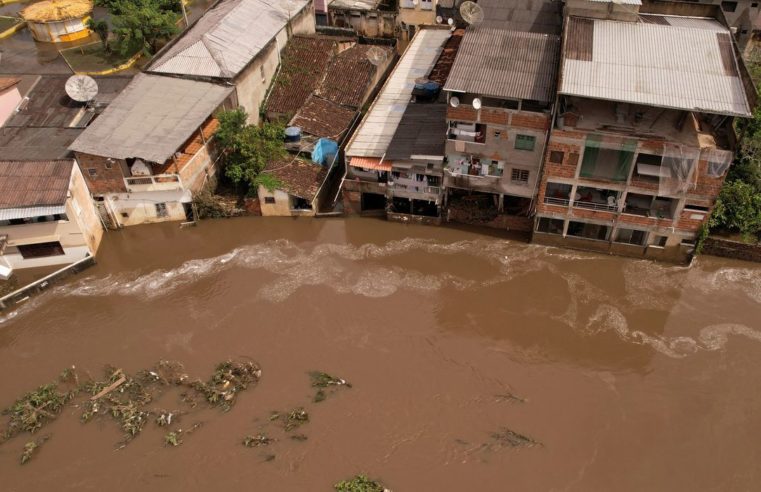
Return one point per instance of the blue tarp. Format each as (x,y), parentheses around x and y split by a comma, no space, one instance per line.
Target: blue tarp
(324,151)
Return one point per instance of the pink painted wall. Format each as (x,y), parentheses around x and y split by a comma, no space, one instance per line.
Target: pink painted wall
(9,99)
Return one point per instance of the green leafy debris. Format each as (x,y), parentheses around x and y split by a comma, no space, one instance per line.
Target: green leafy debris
(360,483)
(31,447)
(257,440)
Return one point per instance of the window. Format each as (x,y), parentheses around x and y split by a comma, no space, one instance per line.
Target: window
(649,168)
(609,162)
(729,6)
(497,133)
(588,231)
(161,210)
(556,157)
(660,241)
(108,165)
(754,5)
(525,142)
(519,176)
(557,194)
(92,171)
(467,132)
(269,200)
(550,226)
(631,236)
(695,208)
(41,250)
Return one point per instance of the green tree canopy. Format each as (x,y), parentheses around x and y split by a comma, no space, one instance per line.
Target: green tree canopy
(139,25)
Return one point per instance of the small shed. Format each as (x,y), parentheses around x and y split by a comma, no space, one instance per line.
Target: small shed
(58,21)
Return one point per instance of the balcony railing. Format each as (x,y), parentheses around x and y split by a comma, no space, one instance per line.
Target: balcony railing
(563,202)
(595,206)
(158,182)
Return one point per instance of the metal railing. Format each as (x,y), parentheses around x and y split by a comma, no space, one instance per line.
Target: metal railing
(595,206)
(156,182)
(563,202)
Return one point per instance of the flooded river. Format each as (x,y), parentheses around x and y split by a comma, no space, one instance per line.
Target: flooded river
(626,375)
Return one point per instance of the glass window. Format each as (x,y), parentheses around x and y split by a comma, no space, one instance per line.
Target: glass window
(519,176)
(631,236)
(588,231)
(525,142)
(550,226)
(161,210)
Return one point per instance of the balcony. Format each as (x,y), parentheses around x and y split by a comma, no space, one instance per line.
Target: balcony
(157,182)
(596,199)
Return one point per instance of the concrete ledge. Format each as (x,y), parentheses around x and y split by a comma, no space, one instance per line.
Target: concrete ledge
(24,293)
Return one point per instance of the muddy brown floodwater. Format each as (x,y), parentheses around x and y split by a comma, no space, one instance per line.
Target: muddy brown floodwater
(629,375)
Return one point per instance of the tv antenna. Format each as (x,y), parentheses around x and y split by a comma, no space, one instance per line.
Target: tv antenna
(81,88)
(472,13)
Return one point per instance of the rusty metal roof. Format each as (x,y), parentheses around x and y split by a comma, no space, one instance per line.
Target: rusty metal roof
(34,184)
(664,61)
(506,64)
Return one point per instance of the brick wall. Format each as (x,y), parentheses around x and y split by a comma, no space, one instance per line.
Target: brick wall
(108,176)
(732,249)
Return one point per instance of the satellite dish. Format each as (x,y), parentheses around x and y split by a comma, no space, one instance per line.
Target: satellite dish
(439,19)
(476,103)
(454,101)
(81,88)
(471,13)
(450,21)
(376,55)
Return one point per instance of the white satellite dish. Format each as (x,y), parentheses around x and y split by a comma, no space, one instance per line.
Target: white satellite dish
(454,101)
(81,88)
(450,21)
(376,55)
(472,13)
(439,19)
(476,103)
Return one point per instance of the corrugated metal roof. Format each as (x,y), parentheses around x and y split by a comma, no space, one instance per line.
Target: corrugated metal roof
(34,184)
(689,68)
(422,131)
(508,64)
(539,16)
(379,125)
(151,118)
(29,212)
(226,38)
(35,144)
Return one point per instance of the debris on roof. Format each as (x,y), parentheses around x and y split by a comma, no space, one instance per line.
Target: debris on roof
(298,177)
(323,118)
(440,71)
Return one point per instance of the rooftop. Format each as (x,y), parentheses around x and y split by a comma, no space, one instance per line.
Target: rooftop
(56,10)
(8,82)
(323,118)
(663,61)
(152,118)
(34,184)
(421,132)
(443,67)
(381,121)
(537,16)
(303,64)
(354,4)
(226,38)
(36,143)
(506,64)
(299,177)
(350,74)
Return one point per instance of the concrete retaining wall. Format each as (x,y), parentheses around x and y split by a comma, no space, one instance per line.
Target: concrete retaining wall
(732,249)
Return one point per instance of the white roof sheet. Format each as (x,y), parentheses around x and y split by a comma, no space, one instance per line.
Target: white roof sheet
(379,124)
(226,38)
(29,212)
(681,63)
(151,118)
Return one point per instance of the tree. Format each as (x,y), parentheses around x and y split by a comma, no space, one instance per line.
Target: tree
(249,148)
(139,25)
(738,209)
(100,27)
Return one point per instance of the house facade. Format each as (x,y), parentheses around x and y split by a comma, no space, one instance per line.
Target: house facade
(371,18)
(151,148)
(46,215)
(221,48)
(635,169)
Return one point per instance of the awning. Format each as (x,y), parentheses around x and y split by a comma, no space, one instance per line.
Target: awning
(370,163)
(29,212)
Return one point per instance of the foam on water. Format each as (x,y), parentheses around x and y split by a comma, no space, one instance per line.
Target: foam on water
(350,269)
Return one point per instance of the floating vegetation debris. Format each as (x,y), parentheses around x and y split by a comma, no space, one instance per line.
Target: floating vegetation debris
(324,382)
(257,440)
(165,418)
(510,438)
(299,437)
(510,398)
(35,409)
(31,447)
(295,419)
(360,483)
(172,439)
(228,380)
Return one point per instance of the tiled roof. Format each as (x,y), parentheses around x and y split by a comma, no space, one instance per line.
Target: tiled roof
(349,75)
(322,118)
(662,62)
(304,62)
(34,184)
(300,178)
(507,64)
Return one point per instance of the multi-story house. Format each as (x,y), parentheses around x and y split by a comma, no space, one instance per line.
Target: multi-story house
(643,136)
(413,14)
(501,92)
(365,186)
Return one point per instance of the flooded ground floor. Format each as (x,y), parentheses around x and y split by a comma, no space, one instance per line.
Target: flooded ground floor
(476,362)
